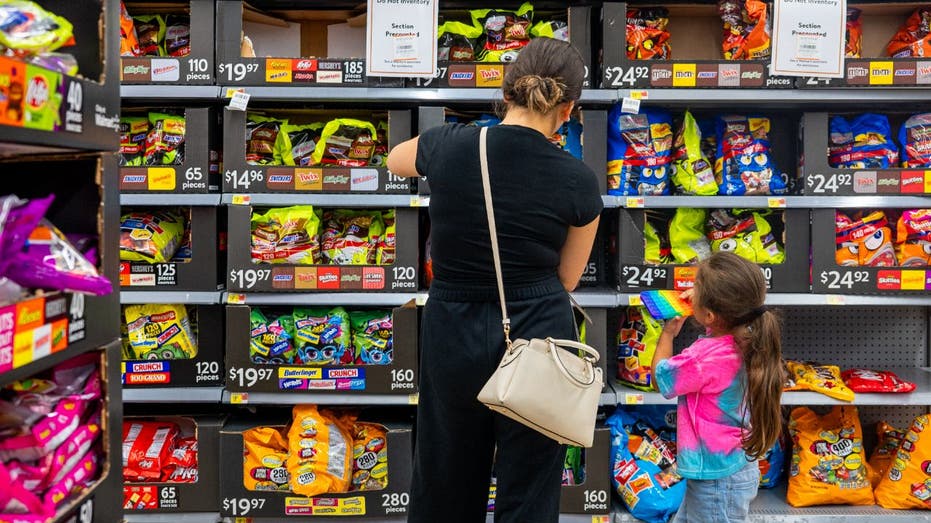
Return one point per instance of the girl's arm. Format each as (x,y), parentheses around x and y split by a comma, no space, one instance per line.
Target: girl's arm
(664,346)
(575,253)
(403,158)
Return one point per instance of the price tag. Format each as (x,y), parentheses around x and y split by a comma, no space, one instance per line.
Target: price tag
(634,202)
(420,201)
(601,519)
(835,299)
(243,520)
(633,399)
(630,105)
(421,299)
(235,298)
(239,398)
(241,199)
(776,203)
(413,399)
(239,100)
(641,94)
(634,299)
(230,91)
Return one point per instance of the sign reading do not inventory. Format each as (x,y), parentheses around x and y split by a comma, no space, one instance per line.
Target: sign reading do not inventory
(401,38)
(809,38)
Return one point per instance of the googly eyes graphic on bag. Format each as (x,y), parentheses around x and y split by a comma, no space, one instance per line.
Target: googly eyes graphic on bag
(259,359)
(746,160)
(509,56)
(729,245)
(375,356)
(276,361)
(875,241)
(377,160)
(760,159)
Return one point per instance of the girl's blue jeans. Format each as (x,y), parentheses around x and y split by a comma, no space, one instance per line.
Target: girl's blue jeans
(725,500)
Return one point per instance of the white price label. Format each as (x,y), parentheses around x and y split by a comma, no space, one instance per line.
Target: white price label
(249,377)
(644,276)
(239,101)
(843,279)
(244,179)
(630,105)
(237,72)
(242,506)
(621,77)
(831,183)
(248,278)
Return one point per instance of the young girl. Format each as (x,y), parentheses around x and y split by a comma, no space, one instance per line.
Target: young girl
(729,386)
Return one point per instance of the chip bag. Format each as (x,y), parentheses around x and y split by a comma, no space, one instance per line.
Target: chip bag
(261,137)
(773,464)
(129,42)
(295,144)
(369,457)
(639,152)
(746,29)
(907,482)
(133,132)
(915,138)
(744,162)
(164,144)
(865,142)
(854,34)
(160,332)
(647,37)
(866,380)
(828,462)
(825,379)
(345,142)
(692,173)
(265,454)
(372,337)
(913,238)
(636,343)
(887,445)
(456,41)
(150,236)
(286,235)
(146,448)
(745,233)
(27,29)
(151,32)
(351,237)
(864,242)
(320,452)
(687,238)
(912,39)
(322,337)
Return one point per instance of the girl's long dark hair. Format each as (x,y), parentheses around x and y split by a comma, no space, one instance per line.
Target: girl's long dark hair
(734,290)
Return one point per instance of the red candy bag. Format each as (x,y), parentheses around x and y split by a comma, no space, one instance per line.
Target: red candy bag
(865,380)
(146,449)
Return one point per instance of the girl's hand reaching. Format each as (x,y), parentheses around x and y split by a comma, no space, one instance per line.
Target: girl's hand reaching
(686,295)
(674,325)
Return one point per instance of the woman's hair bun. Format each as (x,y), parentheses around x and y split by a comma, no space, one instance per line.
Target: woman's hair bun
(547,72)
(539,94)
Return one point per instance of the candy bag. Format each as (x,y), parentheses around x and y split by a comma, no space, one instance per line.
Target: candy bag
(178,35)
(569,138)
(151,32)
(828,462)
(854,34)
(369,457)
(744,162)
(133,131)
(320,458)
(345,142)
(164,145)
(887,445)
(75,482)
(146,448)
(380,156)
(647,37)
(772,465)
(271,341)
(261,136)
(150,236)
(639,148)
(286,235)
(160,332)
(691,173)
(264,458)
(825,379)
(913,238)
(505,30)
(572,470)
(129,42)
(746,29)
(18,218)
(862,143)
(387,242)
(15,498)
(746,234)
(556,29)
(915,137)
(64,63)
(372,337)
(636,343)
(907,482)
(295,143)
(656,247)
(49,261)
(351,237)
(67,456)
(865,242)
(27,29)
(322,337)
(912,39)
(456,41)
(865,380)
(687,236)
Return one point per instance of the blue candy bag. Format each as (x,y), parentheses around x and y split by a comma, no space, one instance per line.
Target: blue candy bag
(773,465)
(639,152)
(744,162)
(569,138)
(915,137)
(862,143)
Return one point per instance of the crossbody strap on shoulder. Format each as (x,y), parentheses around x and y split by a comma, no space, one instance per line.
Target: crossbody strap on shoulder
(493,231)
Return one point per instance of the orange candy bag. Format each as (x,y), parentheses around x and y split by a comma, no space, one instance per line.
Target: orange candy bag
(864,242)
(907,483)
(828,462)
(887,444)
(264,455)
(825,379)
(914,37)
(369,457)
(746,29)
(320,458)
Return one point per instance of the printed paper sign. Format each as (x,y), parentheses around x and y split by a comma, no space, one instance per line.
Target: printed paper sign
(809,38)
(401,38)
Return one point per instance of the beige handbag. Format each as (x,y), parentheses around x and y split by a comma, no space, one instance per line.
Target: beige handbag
(540,383)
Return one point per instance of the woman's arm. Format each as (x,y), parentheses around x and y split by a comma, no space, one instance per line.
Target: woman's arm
(575,253)
(402,159)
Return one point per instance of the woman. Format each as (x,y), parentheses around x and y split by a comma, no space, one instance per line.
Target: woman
(547,205)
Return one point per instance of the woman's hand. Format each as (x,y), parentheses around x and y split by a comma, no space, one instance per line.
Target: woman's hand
(673,325)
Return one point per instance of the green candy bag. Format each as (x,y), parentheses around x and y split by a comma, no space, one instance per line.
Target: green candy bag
(295,144)
(322,336)
(687,236)
(746,233)
(372,333)
(693,174)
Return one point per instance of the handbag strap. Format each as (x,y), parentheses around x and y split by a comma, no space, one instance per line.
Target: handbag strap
(493,232)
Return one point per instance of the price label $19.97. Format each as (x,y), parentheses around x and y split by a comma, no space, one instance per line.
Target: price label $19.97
(242,506)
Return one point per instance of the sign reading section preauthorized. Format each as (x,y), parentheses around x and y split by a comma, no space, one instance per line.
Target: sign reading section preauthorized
(401,38)
(809,38)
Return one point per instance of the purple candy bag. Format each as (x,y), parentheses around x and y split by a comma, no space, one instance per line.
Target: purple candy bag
(18,218)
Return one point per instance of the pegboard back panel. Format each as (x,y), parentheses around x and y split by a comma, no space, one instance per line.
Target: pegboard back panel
(881,337)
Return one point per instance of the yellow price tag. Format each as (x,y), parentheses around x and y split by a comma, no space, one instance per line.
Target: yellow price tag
(421,299)
(235,298)
(633,399)
(641,94)
(777,203)
(241,199)
(601,519)
(243,520)
(420,201)
(413,399)
(239,398)
(634,202)
(230,91)
(835,299)
(634,299)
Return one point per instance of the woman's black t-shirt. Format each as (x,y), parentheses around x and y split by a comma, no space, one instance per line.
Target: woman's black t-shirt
(538,191)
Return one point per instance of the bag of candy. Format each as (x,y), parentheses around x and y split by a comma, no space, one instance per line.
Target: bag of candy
(913,238)
(322,337)
(656,248)
(261,136)
(915,137)
(286,235)
(265,455)
(28,29)
(151,32)
(636,343)
(773,464)
(372,337)
(18,218)
(907,482)
(164,144)
(146,448)
(864,242)
(67,456)
(556,29)
(647,37)
(129,41)
(75,482)
(573,472)
(181,466)
(263,341)
(345,142)
(912,39)
(825,379)
(456,41)
(369,457)
(828,461)
(639,152)
(744,162)
(887,445)
(351,237)
(320,452)
(387,242)
(150,236)
(745,233)
(295,144)
(746,29)
(854,34)
(866,380)
(380,156)
(687,236)
(569,138)
(692,173)
(177,35)
(133,132)
(160,332)
(865,142)
(506,32)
